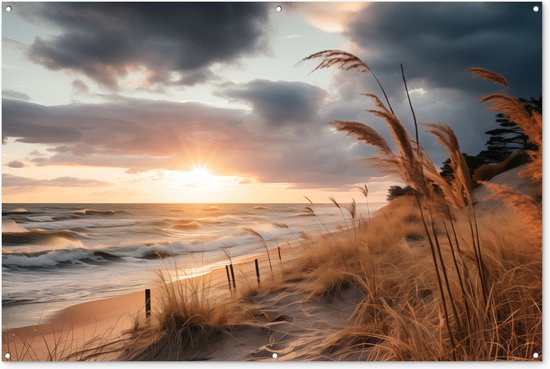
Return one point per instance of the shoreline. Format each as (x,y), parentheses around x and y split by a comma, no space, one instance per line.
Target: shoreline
(106,319)
(111,268)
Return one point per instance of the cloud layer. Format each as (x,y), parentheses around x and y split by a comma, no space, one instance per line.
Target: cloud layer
(176,43)
(141,135)
(438,41)
(11,181)
(284,136)
(15,164)
(279,102)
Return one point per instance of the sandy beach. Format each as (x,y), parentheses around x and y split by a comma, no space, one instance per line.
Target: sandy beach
(86,325)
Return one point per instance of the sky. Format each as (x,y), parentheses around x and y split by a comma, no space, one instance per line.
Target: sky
(208,102)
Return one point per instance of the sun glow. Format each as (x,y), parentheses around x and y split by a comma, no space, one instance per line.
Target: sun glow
(201,176)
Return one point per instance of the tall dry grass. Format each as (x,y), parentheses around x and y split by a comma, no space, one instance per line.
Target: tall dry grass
(472,303)
(188,323)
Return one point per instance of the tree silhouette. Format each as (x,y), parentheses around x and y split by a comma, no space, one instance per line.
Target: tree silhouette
(503,141)
(508,138)
(398,191)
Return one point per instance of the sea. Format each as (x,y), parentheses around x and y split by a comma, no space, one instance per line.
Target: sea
(57,255)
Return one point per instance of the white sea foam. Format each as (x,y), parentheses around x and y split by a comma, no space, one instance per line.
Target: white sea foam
(48,259)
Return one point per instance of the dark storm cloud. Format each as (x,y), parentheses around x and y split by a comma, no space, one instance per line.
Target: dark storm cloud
(9,180)
(438,41)
(26,121)
(279,102)
(140,135)
(105,41)
(15,164)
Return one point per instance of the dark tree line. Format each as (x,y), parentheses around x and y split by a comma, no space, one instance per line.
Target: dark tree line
(508,137)
(398,191)
(504,141)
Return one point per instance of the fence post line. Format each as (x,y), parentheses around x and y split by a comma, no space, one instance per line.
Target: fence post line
(233,275)
(228,277)
(147,302)
(257,270)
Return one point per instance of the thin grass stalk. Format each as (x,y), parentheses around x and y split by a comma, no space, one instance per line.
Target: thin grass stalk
(254,233)
(451,221)
(352,209)
(309,209)
(322,223)
(365,191)
(342,59)
(440,285)
(341,212)
(383,91)
(446,278)
(478,262)
(464,267)
(374,287)
(412,109)
(28,347)
(461,282)
(483,269)
(344,217)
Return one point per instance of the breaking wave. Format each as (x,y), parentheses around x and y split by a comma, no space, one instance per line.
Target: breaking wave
(37,236)
(94,212)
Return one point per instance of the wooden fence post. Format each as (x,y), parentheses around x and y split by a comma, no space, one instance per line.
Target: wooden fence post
(233,275)
(257,270)
(147,302)
(228,278)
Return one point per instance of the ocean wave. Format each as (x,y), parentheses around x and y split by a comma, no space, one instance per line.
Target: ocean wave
(244,240)
(274,231)
(156,254)
(9,225)
(184,225)
(64,257)
(37,236)
(14,301)
(40,218)
(229,219)
(260,207)
(16,211)
(94,212)
(53,258)
(67,216)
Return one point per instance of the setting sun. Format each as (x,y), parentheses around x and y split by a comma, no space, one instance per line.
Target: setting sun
(201,175)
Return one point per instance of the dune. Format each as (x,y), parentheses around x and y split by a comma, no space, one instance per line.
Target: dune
(510,178)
